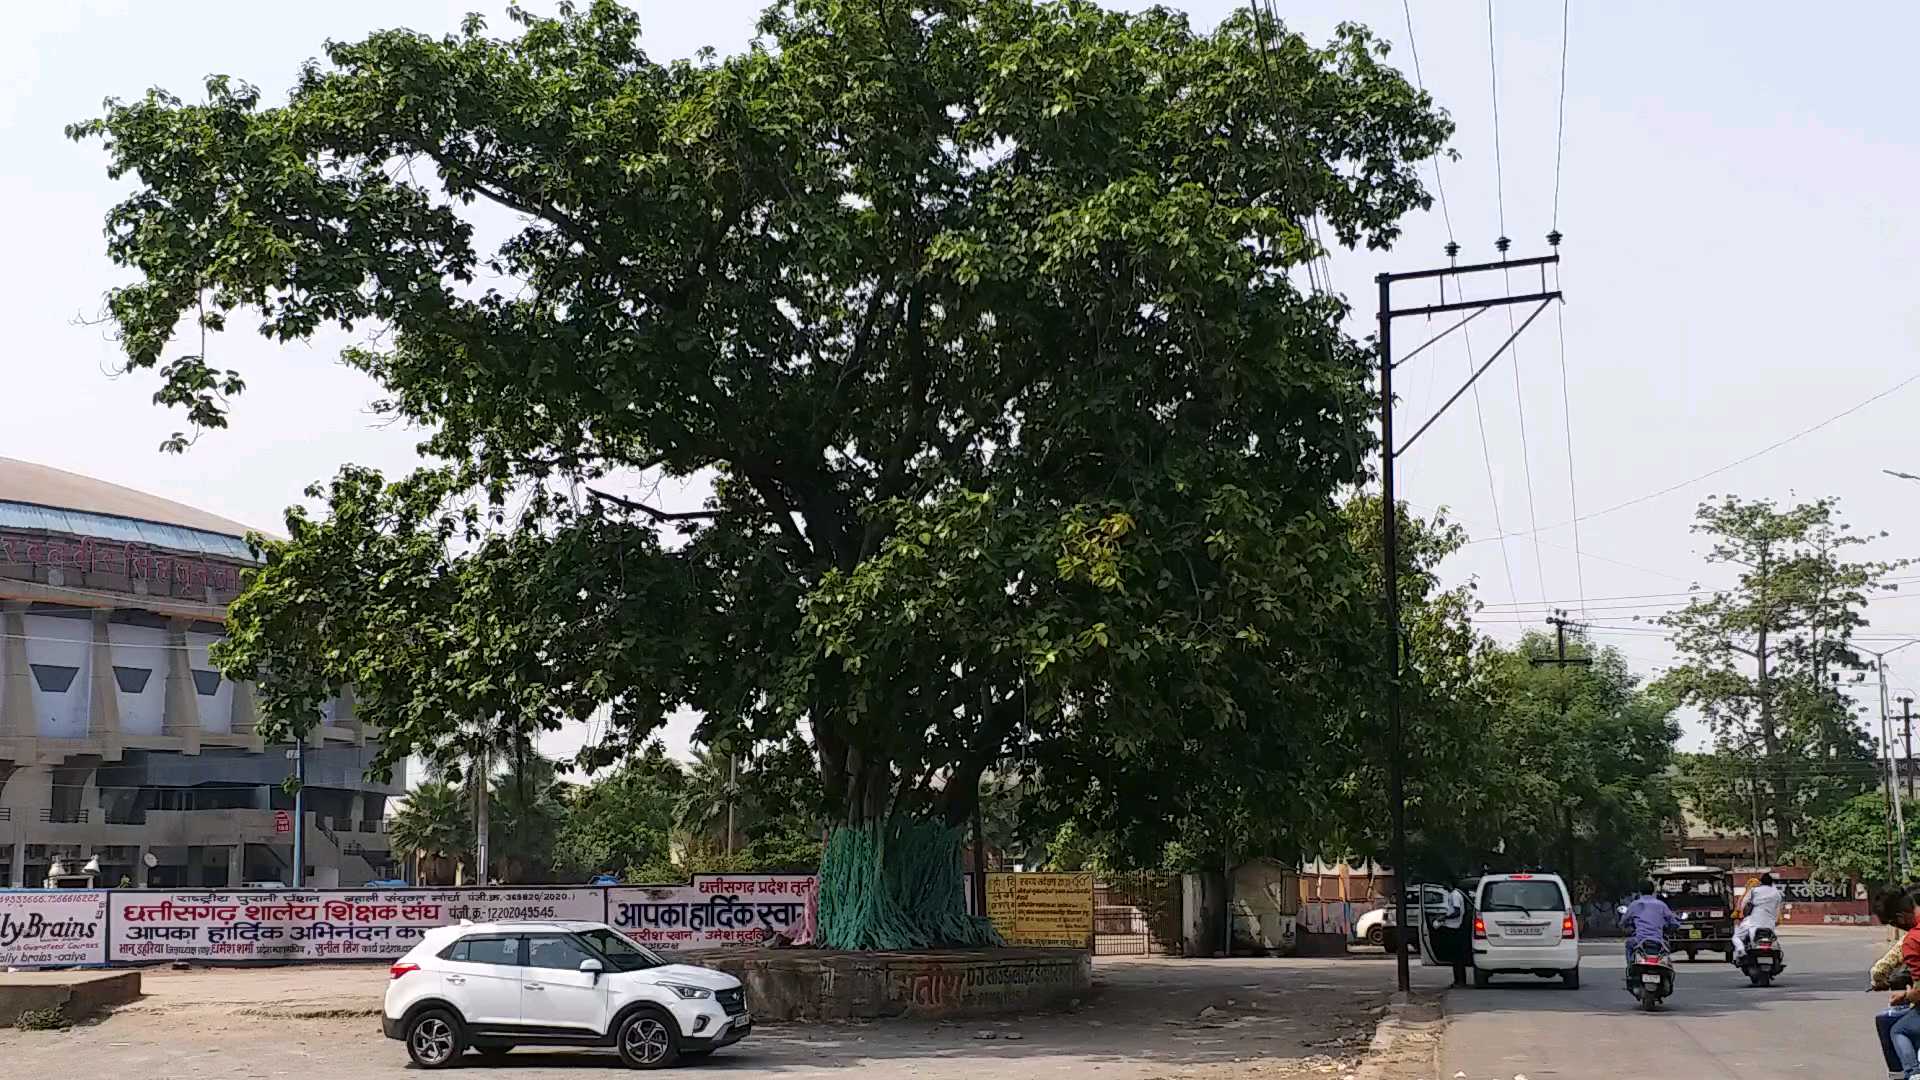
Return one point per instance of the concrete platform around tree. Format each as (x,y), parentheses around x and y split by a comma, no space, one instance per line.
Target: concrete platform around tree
(816,984)
(77,994)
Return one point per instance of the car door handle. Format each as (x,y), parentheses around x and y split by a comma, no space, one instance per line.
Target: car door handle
(535,986)
(457,980)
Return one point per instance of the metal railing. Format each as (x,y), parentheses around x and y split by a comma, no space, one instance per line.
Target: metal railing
(6,813)
(63,817)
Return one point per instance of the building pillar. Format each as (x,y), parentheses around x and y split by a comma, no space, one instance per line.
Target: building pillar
(19,870)
(16,696)
(346,716)
(246,716)
(183,699)
(104,707)
(236,865)
(140,868)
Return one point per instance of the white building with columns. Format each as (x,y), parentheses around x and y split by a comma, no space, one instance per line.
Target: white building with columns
(118,738)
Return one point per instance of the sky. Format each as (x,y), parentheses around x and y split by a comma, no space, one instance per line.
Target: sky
(1733,184)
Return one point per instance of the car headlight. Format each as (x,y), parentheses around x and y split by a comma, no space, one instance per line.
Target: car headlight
(690,993)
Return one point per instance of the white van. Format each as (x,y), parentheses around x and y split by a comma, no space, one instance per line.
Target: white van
(1523,924)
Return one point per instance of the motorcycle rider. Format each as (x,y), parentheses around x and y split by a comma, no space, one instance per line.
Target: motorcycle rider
(1761,912)
(1648,918)
(1899,1025)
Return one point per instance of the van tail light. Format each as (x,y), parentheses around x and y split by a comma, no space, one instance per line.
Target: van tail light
(1479,928)
(1566,926)
(398,970)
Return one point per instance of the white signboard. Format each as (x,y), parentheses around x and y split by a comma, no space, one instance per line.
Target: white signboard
(328,924)
(717,909)
(52,929)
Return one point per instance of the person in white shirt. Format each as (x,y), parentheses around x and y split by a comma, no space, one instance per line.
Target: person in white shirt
(1453,920)
(1761,911)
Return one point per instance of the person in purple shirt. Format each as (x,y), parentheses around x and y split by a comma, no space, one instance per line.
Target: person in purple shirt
(1648,918)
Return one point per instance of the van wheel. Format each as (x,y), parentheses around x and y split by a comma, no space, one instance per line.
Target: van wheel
(434,1039)
(1482,979)
(649,1040)
(1571,978)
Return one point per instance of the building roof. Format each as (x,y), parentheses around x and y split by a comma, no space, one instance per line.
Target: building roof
(42,497)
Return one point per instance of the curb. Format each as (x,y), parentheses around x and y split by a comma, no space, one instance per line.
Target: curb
(1393,1028)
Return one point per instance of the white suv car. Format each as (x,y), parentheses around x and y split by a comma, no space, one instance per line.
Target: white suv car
(494,986)
(1524,924)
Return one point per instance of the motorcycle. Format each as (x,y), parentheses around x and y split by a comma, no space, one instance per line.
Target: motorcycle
(1650,975)
(1764,958)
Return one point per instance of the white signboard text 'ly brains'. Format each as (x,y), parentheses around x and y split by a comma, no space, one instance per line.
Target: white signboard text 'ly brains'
(52,929)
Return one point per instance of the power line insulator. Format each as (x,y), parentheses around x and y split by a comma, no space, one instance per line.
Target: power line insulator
(1452,249)
(1503,244)
(1553,238)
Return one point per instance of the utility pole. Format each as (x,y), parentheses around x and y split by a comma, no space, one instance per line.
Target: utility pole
(1559,621)
(733,779)
(1389,508)
(299,812)
(1893,783)
(482,776)
(1906,722)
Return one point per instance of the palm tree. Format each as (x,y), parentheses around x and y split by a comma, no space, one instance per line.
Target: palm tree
(432,825)
(711,791)
(529,807)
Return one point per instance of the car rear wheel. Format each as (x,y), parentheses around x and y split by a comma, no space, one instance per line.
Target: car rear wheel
(1693,955)
(1571,978)
(1482,979)
(649,1040)
(434,1039)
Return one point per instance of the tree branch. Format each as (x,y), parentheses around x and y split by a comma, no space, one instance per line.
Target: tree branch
(657,515)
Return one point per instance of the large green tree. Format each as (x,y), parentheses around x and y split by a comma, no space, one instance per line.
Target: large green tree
(1761,660)
(979,315)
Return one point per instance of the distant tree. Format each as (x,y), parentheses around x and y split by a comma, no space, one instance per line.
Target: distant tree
(1760,660)
(623,820)
(1855,840)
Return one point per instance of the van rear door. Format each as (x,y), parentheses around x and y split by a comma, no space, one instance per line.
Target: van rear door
(1522,911)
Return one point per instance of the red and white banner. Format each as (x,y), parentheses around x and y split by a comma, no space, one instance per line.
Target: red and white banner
(53,928)
(329,924)
(717,909)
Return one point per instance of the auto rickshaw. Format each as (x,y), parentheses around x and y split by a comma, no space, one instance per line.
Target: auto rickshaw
(1702,897)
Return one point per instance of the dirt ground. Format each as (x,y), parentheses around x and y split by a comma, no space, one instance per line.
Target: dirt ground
(1146,1020)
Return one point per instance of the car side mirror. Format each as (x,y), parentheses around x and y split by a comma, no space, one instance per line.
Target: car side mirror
(592,967)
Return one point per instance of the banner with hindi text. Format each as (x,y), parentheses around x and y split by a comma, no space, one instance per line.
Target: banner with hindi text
(325,924)
(716,909)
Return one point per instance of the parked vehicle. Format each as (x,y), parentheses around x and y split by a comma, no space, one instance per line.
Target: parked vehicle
(1702,898)
(1650,974)
(493,986)
(1379,926)
(1764,959)
(1523,924)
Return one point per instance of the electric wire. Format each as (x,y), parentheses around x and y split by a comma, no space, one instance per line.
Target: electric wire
(1736,463)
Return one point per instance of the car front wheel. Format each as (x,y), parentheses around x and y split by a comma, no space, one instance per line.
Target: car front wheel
(1377,936)
(434,1040)
(648,1040)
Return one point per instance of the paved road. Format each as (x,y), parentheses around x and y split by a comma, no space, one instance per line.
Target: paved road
(1816,1022)
(1148,1020)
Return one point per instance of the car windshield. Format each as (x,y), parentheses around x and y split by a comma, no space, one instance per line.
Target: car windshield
(622,952)
(1522,896)
(1694,889)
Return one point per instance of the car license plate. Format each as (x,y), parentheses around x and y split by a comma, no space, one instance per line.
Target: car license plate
(1694,934)
(1650,980)
(1525,931)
